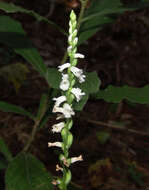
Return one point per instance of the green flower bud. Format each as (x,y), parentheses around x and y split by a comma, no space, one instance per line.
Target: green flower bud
(70,124)
(73,16)
(69,140)
(68,177)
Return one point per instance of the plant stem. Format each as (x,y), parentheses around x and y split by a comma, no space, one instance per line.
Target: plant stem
(25,149)
(83,6)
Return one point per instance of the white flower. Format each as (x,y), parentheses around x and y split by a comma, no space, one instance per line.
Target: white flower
(64,66)
(58,127)
(57,109)
(69,49)
(75,32)
(79,55)
(68,111)
(75,41)
(64,85)
(82,78)
(58,168)
(78,94)
(75,159)
(59,100)
(78,73)
(70,38)
(58,144)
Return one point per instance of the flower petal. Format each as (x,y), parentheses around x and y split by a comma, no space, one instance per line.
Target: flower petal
(75,159)
(59,100)
(58,144)
(58,127)
(64,66)
(78,94)
(64,85)
(79,55)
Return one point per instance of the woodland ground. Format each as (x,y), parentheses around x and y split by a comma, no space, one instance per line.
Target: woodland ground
(119,53)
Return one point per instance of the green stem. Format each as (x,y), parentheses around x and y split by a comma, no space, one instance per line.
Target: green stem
(25,149)
(83,6)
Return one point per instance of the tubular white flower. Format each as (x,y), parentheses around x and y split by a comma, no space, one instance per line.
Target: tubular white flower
(68,111)
(58,144)
(78,73)
(70,38)
(59,100)
(57,109)
(64,66)
(82,78)
(69,49)
(58,127)
(79,55)
(64,85)
(75,41)
(78,94)
(75,159)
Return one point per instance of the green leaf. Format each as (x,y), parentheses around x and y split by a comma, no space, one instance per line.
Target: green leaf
(53,77)
(78,106)
(99,13)
(27,172)
(15,73)
(13,35)
(117,94)
(90,27)
(91,84)
(6,107)
(103,136)
(4,149)
(11,8)
(43,106)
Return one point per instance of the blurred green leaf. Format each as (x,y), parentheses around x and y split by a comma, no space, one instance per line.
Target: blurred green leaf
(13,35)
(78,106)
(103,136)
(6,107)
(27,172)
(53,77)
(4,149)
(12,8)
(15,73)
(135,175)
(91,84)
(99,13)
(117,94)
(43,106)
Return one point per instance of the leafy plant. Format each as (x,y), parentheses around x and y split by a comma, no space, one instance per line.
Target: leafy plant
(24,171)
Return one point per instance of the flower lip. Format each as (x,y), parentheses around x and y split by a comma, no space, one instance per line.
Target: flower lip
(58,127)
(66,110)
(79,55)
(64,85)
(78,94)
(59,100)
(78,73)
(75,159)
(64,66)
(58,144)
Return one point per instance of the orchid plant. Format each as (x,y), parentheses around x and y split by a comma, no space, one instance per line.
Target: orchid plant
(63,104)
